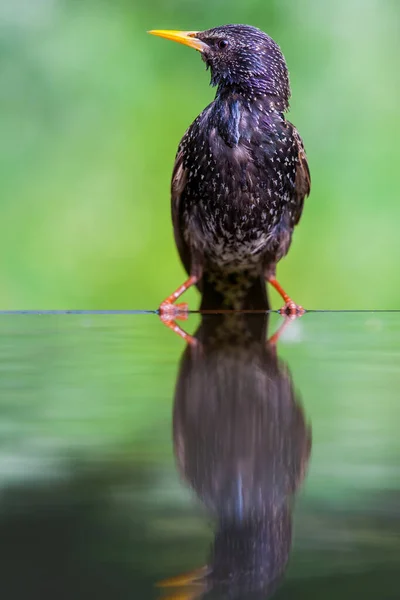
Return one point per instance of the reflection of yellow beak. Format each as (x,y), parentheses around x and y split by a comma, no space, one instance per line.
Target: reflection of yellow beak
(192,578)
(181,596)
(192,585)
(183,37)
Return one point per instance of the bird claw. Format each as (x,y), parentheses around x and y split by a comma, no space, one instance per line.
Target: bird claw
(292,310)
(170,312)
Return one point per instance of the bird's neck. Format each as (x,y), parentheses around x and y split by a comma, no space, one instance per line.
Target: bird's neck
(229,108)
(254,88)
(251,96)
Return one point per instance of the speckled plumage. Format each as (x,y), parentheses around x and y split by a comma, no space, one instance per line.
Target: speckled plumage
(241,174)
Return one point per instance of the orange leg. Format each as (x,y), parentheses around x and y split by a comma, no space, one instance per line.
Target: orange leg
(290,308)
(168,310)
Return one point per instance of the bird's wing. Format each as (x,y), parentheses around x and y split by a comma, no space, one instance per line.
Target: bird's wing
(178,184)
(303,178)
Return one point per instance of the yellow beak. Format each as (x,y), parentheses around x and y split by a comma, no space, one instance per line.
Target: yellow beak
(183,37)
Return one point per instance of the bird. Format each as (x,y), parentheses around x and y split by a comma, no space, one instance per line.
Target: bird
(242,442)
(240,175)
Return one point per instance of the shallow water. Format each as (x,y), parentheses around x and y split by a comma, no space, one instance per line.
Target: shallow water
(281,469)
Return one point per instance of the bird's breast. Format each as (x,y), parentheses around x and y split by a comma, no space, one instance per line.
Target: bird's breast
(237,254)
(239,187)
(231,210)
(230,236)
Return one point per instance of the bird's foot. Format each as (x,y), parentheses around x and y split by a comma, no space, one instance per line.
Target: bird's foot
(170,312)
(292,310)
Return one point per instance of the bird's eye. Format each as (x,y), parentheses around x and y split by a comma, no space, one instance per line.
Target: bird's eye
(222,44)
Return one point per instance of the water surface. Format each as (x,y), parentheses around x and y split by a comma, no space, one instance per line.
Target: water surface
(128,457)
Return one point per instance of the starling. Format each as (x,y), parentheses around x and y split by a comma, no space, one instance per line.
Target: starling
(240,175)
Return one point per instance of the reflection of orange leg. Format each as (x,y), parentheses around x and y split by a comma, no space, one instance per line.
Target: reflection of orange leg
(290,308)
(273,340)
(170,311)
(169,322)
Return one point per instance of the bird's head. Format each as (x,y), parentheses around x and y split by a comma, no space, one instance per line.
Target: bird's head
(241,58)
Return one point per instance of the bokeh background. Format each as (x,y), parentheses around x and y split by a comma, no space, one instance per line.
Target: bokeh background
(92,110)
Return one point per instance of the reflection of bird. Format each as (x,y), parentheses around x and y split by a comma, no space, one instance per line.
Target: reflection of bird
(240,174)
(242,443)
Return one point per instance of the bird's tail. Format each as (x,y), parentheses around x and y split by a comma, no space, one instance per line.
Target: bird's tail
(240,290)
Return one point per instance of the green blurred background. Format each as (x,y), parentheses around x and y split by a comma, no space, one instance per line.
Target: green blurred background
(92,110)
